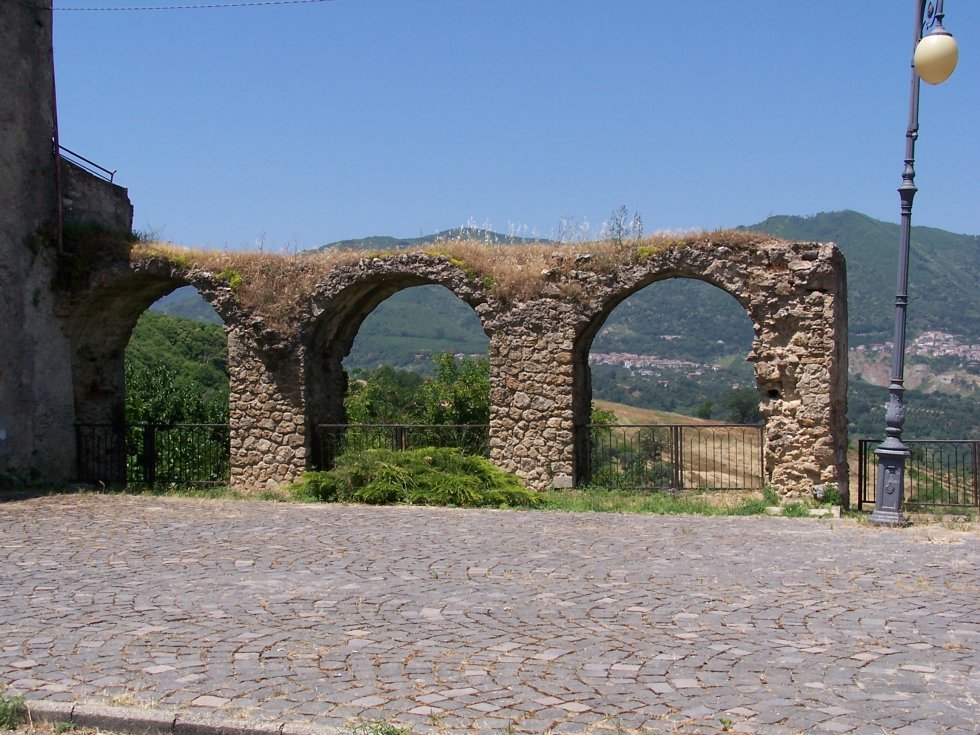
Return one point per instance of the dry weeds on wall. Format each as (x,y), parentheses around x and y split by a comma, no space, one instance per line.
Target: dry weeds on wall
(277,285)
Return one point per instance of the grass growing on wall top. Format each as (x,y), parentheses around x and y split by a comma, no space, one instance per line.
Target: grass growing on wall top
(276,284)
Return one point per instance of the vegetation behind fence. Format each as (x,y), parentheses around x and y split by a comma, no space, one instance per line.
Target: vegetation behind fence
(149,454)
(335,439)
(937,473)
(676,457)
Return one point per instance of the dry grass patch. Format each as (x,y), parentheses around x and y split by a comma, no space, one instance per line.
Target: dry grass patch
(276,285)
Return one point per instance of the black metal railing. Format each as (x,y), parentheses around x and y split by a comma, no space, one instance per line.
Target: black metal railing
(675,457)
(150,454)
(937,473)
(83,163)
(335,439)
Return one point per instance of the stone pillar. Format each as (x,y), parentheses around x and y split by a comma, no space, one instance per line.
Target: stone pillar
(531,389)
(801,370)
(266,416)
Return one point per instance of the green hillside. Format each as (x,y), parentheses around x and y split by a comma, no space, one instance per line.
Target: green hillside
(187,303)
(943,268)
(413,324)
(194,350)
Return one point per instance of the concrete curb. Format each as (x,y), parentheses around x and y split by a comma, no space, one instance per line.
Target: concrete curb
(140,721)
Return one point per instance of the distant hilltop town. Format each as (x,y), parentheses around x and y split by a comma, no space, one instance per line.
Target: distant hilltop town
(934,344)
(650,365)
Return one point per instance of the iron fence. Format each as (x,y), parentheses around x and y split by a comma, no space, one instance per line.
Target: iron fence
(941,473)
(675,457)
(150,454)
(335,439)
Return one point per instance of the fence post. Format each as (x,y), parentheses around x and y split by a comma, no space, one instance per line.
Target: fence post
(676,458)
(976,473)
(150,454)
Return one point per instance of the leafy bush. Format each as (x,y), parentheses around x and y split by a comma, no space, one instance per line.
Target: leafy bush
(11,711)
(458,393)
(427,476)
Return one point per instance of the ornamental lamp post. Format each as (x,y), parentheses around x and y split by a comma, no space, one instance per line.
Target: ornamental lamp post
(934,59)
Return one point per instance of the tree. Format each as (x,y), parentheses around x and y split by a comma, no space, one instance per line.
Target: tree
(159,396)
(742,405)
(459,393)
(383,396)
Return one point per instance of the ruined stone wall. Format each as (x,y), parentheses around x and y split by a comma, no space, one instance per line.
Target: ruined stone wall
(795,294)
(88,198)
(63,345)
(283,385)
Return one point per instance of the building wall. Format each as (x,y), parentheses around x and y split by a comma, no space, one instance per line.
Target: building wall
(89,198)
(37,376)
(36,416)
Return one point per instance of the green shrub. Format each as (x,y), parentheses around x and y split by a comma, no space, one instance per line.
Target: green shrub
(796,510)
(426,476)
(11,711)
(831,496)
(232,277)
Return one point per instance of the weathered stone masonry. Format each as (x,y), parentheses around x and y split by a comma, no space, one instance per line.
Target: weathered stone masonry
(282,386)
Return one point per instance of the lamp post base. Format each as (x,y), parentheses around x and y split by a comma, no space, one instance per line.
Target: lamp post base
(892,519)
(890,487)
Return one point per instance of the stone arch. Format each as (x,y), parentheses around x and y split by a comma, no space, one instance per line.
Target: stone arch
(795,296)
(582,392)
(99,326)
(342,302)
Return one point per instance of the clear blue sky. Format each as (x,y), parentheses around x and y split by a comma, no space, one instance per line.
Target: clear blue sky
(297,125)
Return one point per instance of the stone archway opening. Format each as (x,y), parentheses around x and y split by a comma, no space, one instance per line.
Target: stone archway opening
(410,326)
(177,392)
(679,346)
(670,355)
(134,367)
(176,363)
(374,359)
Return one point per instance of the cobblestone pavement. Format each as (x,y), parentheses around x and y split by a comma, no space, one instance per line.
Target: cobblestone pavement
(494,621)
